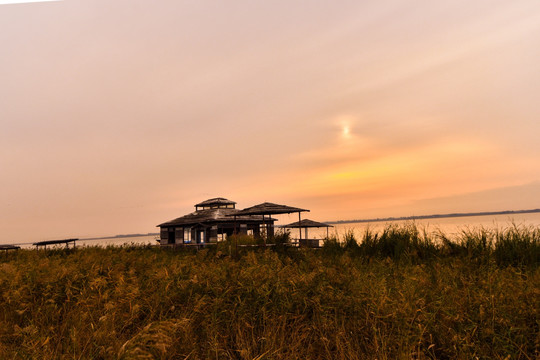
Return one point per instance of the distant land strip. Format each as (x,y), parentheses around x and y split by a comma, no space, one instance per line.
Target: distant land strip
(120,236)
(437,216)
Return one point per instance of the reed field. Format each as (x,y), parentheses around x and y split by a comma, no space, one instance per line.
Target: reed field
(397,294)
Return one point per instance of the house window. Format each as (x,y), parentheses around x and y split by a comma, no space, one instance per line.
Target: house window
(187,235)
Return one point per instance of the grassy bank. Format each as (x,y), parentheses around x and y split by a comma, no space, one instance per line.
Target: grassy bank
(397,294)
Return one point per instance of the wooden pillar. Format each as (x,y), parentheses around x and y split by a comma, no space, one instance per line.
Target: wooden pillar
(214,233)
(243,229)
(300,226)
(235,238)
(266,231)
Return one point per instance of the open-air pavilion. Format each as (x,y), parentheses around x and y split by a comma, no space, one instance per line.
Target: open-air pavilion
(6,248)
(306,224)
(269,209)
(55,242)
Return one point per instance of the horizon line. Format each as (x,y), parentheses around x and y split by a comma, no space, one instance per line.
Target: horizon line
(437,216)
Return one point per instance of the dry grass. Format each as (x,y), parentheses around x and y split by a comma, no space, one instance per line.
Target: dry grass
(342,302)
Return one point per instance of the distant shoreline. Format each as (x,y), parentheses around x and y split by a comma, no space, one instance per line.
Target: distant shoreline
(436,216)
(119,236)
(419,217)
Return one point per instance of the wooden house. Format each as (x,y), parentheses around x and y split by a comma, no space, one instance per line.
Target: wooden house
(212,221)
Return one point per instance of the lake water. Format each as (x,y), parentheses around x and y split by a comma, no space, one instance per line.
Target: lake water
(132,240)
(450,226)
(135,240)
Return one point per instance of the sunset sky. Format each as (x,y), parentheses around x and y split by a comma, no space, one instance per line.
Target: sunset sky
(117,115)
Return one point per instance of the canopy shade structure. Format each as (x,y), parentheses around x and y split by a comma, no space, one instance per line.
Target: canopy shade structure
(55,242)
(306,223)
(9,247)
(269,209)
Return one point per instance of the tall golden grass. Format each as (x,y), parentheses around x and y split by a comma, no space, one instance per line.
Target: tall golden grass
(412,297)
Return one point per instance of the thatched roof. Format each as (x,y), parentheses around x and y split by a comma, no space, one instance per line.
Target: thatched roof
(269,209)
(212,216)
(216,201)
(306,223)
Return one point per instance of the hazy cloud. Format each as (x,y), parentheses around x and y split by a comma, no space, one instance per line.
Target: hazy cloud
(116,115)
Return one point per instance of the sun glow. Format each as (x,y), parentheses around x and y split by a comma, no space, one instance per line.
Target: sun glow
(408,173)
(343,124)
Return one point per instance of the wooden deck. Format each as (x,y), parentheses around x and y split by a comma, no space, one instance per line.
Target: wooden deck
(305,243)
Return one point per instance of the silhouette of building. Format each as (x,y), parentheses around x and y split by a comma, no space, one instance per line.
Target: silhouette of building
(213,220)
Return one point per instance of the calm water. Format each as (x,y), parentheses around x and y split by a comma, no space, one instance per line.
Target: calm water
(449,226)
(137,240)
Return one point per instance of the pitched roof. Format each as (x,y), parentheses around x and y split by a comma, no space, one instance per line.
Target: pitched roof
(269,209)
(211,216)
(216,201)
(306,223)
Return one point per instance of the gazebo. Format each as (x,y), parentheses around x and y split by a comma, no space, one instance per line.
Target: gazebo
(269,209)
(305,224)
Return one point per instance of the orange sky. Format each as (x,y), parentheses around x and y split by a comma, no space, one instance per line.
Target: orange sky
(118,115)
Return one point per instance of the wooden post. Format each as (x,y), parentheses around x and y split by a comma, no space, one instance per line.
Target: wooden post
(235,238)
(300,227)
(265,230)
